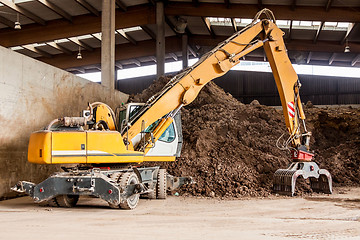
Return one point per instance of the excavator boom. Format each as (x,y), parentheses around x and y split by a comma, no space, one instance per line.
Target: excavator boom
(184,88)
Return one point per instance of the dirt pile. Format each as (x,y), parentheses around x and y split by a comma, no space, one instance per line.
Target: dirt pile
(230,148)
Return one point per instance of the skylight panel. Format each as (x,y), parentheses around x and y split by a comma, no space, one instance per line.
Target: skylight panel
(343,24)
(16,48)
(132,29)
(331,24)
(306,23)
(61,40)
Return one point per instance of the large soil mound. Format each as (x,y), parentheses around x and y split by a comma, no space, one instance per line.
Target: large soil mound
(230,148)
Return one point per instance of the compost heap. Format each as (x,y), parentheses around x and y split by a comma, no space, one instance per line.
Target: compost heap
(230,148)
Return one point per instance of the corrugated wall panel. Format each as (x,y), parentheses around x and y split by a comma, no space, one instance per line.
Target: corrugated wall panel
(247,86)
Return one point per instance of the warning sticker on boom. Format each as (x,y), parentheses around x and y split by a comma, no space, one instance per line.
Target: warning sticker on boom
(291,109)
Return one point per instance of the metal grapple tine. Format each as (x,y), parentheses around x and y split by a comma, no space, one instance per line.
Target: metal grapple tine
(285,179)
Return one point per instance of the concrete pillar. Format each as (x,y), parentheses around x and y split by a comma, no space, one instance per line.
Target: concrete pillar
(185,55)
(108,44)
(160,39)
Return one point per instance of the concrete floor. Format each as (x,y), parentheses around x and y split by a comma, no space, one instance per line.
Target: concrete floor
(335,216)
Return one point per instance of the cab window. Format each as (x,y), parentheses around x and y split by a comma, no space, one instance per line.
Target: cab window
(169,134)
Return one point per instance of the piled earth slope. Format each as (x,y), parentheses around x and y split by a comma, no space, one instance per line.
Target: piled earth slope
(230,148)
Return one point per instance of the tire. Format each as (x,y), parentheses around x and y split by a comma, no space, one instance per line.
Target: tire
(161,185)
(67,201)
(152,194)
(52,202)
(126,179)
(116,178)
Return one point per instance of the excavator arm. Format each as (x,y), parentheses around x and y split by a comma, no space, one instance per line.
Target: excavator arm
(184,87)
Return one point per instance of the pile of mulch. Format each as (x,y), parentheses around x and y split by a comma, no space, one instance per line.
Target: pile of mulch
(230,148)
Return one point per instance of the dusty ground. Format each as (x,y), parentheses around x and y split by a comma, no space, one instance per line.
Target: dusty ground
(327,217)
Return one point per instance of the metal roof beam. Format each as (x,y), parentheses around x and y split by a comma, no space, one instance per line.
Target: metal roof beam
(37,51)
(153,58)
(23,11)
(56,9)
(119,65)
(328,5)
(97,36)
(7,22)
(121,5)
(355,60)
(207,23)
(148,31)
(82,25)
(233,23)
(318,31)
(136,62)
(126,36)
(227,3)
(174,56)
(173,44)
(332,58)
(80,43)
(304,13)
(59,47)
(348,32)
(290,30)
(195,3)
(309,58)
(170,24)
(296,45)
(88,7)
(191,50)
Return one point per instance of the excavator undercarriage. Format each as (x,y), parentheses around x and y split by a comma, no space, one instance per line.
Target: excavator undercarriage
(121,188)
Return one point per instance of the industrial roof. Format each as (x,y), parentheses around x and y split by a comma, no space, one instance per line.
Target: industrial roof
(53,31)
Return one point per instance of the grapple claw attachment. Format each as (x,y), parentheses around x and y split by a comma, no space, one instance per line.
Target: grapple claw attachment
(285,179)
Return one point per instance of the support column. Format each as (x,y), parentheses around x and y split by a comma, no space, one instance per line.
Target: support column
(185,52)
(108,44)
(160,39)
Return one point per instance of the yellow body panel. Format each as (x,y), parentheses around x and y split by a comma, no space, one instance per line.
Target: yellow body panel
(68,147)
(108,147)
(39,150)
(159,158)
(46,147)
(103,113)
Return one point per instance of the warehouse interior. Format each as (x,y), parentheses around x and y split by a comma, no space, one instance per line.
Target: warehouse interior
(48,47)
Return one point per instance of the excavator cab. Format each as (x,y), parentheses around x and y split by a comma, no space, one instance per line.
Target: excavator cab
(168,144)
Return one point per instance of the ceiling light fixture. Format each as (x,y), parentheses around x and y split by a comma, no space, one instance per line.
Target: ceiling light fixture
(79,56)
(180,25)
(17,23)
(347,48)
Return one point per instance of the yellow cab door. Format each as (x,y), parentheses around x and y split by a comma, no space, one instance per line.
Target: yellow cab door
(68,147)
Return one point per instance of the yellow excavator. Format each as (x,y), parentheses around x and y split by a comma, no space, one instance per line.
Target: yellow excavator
(109,148)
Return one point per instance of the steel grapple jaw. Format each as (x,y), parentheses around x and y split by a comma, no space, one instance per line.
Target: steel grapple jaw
(285,179)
